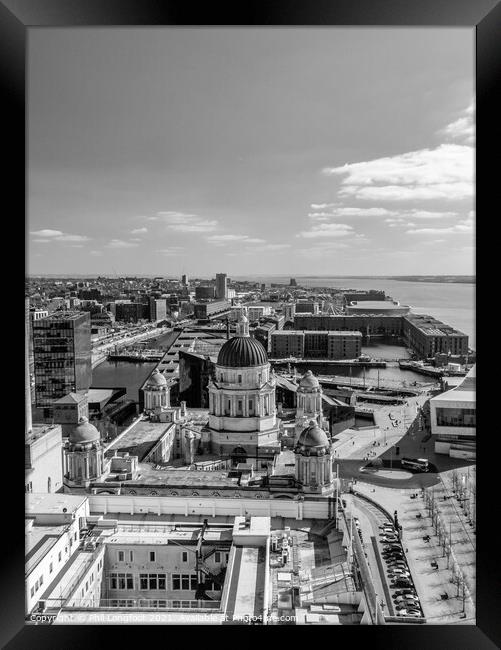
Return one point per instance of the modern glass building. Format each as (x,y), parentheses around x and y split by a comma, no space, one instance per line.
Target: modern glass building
(62,355)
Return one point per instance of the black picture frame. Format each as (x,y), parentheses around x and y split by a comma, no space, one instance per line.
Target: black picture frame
(16,17)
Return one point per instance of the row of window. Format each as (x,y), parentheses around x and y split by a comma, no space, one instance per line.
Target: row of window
(40,580)
(158,581)
(152,556)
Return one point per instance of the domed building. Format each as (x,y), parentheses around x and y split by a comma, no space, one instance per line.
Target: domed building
(156,392)
(242,410)
(314,459)
(83,455)
(309,404)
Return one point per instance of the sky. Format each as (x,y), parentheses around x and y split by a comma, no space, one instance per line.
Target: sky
(287,151)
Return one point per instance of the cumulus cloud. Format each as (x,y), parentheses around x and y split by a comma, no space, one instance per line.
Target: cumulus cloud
(171,250)
(463,128)
(139,231)
(184,222)
(120,243)
(46,235)
(327,230)
(465,226)
(229,238)
(95,253)
(351,212)
(445,172)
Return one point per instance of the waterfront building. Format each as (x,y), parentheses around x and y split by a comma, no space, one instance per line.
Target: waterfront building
(62,356)
(453,419)
(314,460)
(427,335)
(307,307)
(316,344)
(368,325)
(377,307)
(242,409)
(83,456)
(221,286)
(361,294)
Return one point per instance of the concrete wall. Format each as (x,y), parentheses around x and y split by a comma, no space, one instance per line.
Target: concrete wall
(45,460)
(185,506)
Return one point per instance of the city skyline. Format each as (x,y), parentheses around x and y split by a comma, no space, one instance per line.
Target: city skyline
(336,152)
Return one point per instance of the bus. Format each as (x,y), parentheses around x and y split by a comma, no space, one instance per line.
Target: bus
(417,464)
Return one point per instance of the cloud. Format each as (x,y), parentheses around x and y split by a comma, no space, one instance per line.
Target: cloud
(171,250)
(47,235)
(318,249)
(95,253)
(464,227)
(120,243)
(274,247)
(327,230)
(138,231)
(220,240)
(445,172)
(184,222)
(351,212)
(322,206)
(462,129)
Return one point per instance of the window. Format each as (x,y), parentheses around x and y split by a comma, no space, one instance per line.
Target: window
(59,556)
(51,567)
(121,556)
(121,580)
(185,556)
(184,581)
(143,581)
(113,581)
(32,591)
(239,379)
(41,580)
(131,556)
(36,585)
(227,557)
(161,581)
(153,581)
(152,556)
(217,557)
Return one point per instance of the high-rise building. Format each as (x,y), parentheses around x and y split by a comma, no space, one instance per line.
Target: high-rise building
(62,354)
(158,309)
(184,280)
(221,286)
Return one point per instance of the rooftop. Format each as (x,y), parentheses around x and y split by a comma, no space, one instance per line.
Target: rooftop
(140,438)
(37,503)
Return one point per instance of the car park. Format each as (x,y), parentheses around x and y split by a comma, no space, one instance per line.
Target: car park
(401,582)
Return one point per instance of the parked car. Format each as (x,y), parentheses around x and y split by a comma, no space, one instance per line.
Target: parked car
(404,592)
(401,582)
(394,556)
(411,613)
(397,565)
(398,571)
(388,540)
(407,599)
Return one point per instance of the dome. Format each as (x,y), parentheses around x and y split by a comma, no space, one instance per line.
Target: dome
(313,439)
(156,379)
(84,432)
(242,352)
(308,380)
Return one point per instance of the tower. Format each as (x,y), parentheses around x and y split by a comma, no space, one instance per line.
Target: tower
(314,459)
(242,410)
(156,392)
(83,455)
(309,403)
(62,351)
(221,286)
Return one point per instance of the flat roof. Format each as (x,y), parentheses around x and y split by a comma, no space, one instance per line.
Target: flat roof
(329,332)
(162,533)
(376,304)
(247,581)
(38,542)
(37,503)
(140,438)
